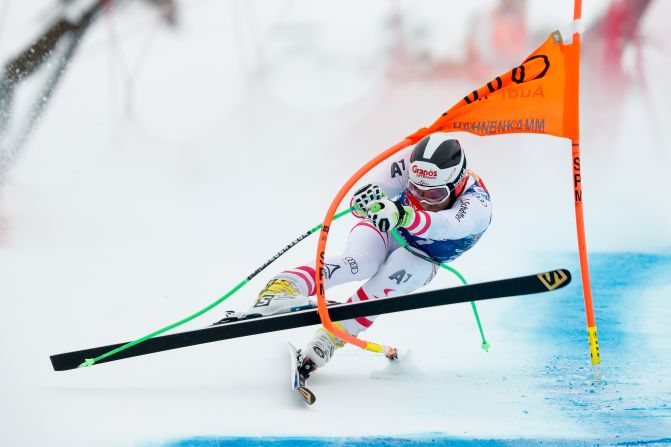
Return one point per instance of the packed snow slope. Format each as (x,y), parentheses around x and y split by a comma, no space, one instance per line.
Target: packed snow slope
(172,163)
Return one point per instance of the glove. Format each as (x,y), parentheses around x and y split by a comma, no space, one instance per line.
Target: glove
(387,215)
(363,197)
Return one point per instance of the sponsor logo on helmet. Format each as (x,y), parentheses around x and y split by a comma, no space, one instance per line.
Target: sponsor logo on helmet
(459,179)
(424,173)
(450,173)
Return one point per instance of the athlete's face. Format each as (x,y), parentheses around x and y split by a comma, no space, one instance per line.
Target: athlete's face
(431,198)
(434,207)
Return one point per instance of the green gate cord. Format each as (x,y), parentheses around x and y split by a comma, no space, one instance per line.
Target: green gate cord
(402,242)
(89,362)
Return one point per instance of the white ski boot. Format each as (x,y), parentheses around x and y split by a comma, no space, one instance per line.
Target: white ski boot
(322,346)
(278,297)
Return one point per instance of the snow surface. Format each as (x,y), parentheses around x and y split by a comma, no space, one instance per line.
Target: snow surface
(171,163)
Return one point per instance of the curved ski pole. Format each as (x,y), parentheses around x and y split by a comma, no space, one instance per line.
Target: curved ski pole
(89,362)
(402,242)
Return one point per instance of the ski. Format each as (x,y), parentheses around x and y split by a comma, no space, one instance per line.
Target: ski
(298,380)
(523,285)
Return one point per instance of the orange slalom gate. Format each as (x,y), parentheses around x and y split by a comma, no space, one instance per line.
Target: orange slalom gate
(558,111)
(573,82)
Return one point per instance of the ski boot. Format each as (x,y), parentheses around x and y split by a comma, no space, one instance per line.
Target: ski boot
(278,297)
(322,346)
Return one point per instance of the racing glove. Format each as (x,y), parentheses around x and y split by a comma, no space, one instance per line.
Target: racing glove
(387,215)
(363,197)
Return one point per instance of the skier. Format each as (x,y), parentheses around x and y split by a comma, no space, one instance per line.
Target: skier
(438,206)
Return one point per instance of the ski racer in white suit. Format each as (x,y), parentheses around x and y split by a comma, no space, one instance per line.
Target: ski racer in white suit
(438,206)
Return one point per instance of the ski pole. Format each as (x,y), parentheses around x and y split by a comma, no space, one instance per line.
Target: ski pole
(402,242)
(89,362)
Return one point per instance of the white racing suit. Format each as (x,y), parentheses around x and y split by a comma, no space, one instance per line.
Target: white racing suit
(393,270)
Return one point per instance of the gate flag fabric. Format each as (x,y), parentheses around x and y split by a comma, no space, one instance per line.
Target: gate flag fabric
(534,97)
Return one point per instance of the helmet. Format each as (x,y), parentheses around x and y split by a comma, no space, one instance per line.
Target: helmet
(437,169)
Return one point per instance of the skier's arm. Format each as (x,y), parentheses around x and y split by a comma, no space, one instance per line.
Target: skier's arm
(470,214)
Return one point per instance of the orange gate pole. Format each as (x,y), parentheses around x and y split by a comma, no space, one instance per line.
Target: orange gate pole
(574,83)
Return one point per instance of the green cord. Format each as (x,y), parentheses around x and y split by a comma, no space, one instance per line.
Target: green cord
(402,242)
(89,362)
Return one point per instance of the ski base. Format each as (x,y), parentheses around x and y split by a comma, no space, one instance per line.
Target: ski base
(307,395)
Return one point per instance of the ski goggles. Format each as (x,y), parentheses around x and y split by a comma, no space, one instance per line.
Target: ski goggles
(429,194)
